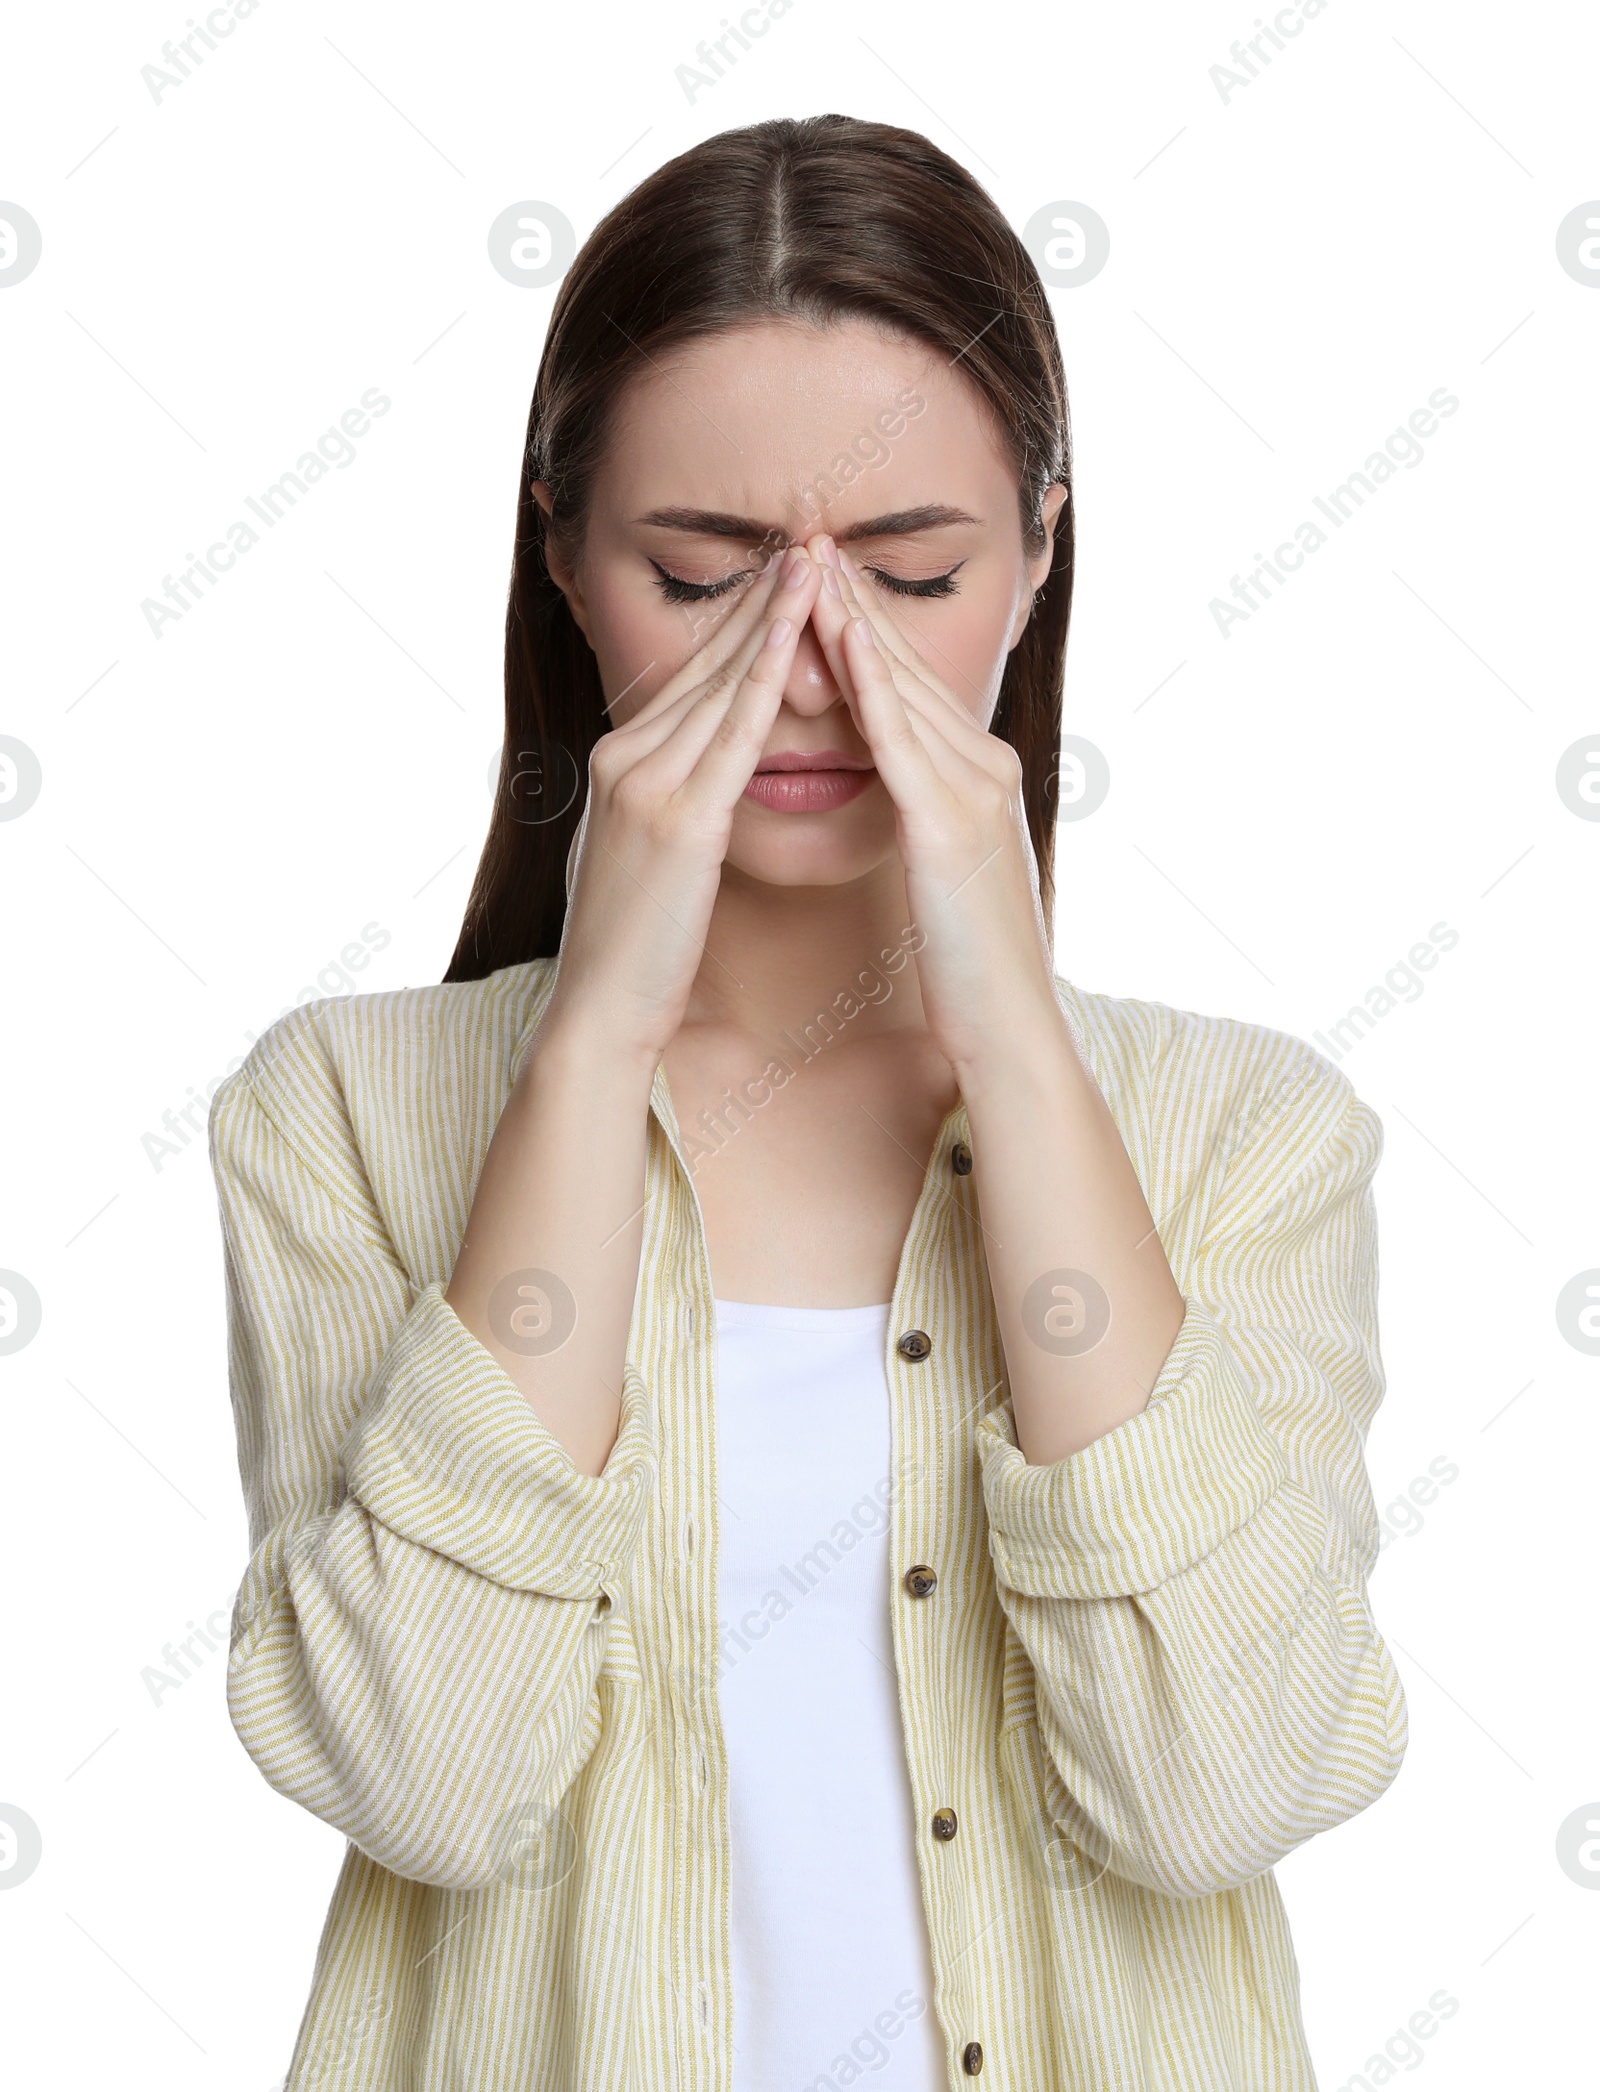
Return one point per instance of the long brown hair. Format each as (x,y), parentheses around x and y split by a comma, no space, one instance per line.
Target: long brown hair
(816,219)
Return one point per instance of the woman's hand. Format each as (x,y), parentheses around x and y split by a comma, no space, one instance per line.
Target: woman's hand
(662,794)
(1062,1205)
(557,1216)
(972,881)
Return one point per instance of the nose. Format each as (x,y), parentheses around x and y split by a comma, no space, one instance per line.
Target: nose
(811,689)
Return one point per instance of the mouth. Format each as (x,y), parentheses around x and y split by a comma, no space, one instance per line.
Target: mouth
(810,759)
(813,781)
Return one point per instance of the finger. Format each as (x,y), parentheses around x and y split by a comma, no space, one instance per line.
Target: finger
(892,634)
(901,753)
(732,634)
(829,616)
(738,732)
(928,699)
(866,601)
(677,744)
(847,595)
(659,723)
(839,600)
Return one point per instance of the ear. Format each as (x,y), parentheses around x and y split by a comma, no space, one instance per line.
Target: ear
(1038,568)
(564,576)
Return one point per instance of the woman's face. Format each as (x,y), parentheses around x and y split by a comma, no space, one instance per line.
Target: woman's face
(760,437)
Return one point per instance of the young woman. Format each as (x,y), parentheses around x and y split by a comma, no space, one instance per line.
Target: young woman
(805,1471)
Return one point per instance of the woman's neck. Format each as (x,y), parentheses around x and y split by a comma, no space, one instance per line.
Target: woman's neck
(777,957)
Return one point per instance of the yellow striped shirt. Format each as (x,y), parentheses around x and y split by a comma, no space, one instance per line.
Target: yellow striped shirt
(1146,1673)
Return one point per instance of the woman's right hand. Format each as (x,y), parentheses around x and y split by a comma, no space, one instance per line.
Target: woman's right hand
(662,794)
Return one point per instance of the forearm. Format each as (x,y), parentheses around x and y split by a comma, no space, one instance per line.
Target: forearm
(1208,1679)
(1057,1194)
(1189,1586)
(561,1193)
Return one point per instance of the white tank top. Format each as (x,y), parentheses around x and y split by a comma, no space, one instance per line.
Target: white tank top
(832,1983)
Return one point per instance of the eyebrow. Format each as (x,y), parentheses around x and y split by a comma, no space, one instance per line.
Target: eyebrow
(715,523)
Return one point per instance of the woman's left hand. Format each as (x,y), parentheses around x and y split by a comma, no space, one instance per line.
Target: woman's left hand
(972,880)
(1059,1195)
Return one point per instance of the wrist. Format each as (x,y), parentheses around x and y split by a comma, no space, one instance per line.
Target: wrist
(1025,1058)
(567,1043)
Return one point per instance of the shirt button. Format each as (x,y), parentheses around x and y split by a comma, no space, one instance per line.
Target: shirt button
(944,1824)
(916,1343)
(961,1159)
(920,1580)
(972,2058)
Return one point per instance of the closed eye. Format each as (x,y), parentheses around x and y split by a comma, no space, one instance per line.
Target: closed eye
(677,590)
(936,584)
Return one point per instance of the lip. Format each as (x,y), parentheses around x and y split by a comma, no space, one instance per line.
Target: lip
(809,786)
(790,759)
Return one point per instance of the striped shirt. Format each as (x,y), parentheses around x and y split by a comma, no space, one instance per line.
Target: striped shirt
(1146,1673)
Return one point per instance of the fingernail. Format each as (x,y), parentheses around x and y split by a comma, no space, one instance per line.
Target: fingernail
(849,566)
(829,551)
(864,632)
(794,567)
(830,581)
(781,628)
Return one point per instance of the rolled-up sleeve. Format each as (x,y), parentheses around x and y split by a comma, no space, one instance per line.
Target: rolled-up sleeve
(450,1456)
(420,1630)
(1190,1589)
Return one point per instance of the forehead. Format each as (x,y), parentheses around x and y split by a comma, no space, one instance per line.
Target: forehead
(748,420)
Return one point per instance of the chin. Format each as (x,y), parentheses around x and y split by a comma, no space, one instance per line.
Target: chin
(814,860)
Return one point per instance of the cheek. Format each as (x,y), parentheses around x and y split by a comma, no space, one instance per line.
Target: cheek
(963,641)
(640,639)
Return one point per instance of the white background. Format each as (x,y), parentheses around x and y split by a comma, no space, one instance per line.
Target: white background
(1292,271)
